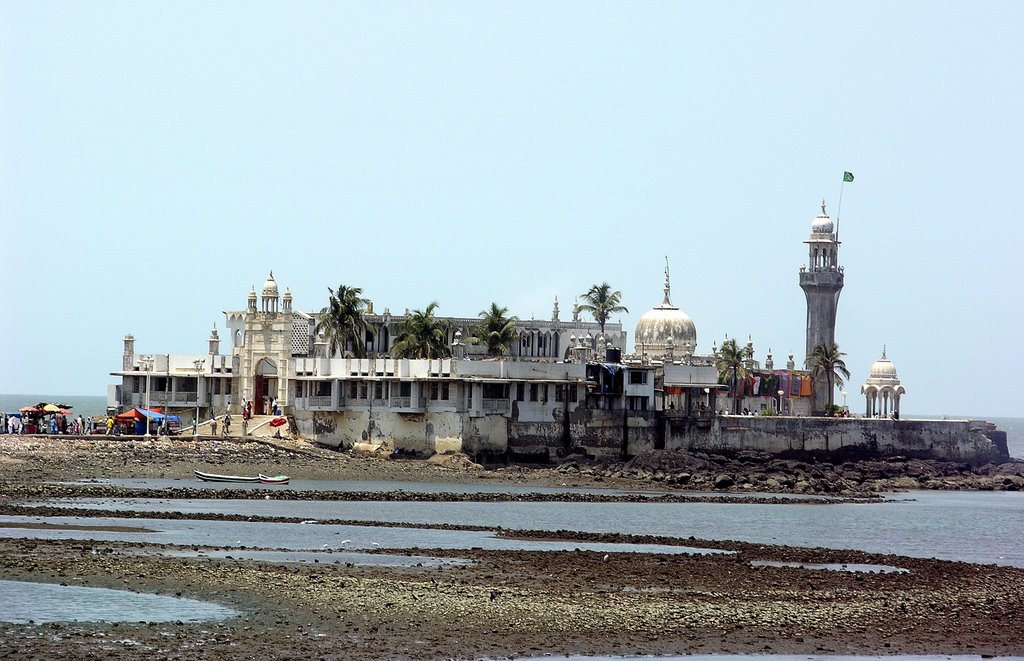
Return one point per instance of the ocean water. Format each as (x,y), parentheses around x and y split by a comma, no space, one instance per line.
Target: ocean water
(23,602)
(81,404)
(980,527)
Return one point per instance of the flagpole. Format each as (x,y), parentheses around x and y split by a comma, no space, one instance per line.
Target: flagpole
(839,210)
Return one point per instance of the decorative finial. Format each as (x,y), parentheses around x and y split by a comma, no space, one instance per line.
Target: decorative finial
(883,353)
(668,285)
(823,212)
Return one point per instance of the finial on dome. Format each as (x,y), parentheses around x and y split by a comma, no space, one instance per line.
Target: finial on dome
(668,285)
(823,212)
(883,353)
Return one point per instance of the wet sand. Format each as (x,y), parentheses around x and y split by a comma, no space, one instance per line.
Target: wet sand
(502,604)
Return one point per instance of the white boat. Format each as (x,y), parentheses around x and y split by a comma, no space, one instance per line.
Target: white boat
(213,477)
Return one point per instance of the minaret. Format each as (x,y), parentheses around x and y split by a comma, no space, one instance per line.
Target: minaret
(822,281)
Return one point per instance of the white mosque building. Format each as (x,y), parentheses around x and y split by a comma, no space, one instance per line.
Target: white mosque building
(555,370)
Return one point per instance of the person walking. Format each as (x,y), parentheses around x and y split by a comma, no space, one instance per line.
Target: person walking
(227,424)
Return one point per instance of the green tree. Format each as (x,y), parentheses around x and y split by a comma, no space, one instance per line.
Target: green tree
(827,361)
(731,364)
(601,302)
(422,336)
(496,331)
(342,322)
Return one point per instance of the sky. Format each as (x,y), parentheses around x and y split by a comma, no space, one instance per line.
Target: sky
(159,159)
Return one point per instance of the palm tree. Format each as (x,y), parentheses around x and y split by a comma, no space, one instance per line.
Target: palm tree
(602,302)
(496,331)
(342,321)
(422,336)
(827,360)
(731,364)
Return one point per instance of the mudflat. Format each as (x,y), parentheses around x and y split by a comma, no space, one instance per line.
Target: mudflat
(498,603)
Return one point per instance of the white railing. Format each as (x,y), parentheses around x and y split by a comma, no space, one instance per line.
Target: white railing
(320,401)
(172,399)
(401,402)
(499,405)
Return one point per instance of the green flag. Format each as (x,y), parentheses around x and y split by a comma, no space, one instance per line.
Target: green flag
(847,176)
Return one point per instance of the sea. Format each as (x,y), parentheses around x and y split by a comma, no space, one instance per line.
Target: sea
(97,405)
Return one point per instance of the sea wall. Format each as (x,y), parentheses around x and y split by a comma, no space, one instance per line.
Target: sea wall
(612,435)
(952,440)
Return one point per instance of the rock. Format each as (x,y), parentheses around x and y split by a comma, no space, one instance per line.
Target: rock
(723,481)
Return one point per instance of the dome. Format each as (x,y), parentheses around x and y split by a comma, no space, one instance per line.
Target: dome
(270,286)
(883,370)
(822,224)
(664,326)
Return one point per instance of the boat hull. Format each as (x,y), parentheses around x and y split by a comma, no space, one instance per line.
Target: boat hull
(273,479)
(213,477)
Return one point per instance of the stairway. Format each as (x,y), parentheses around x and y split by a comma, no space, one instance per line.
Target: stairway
(259,425)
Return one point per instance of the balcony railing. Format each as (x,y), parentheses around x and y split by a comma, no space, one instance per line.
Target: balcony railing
(320,401)
(496,405)
(170,399)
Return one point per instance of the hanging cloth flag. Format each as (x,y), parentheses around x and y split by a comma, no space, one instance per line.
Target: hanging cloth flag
(847,176)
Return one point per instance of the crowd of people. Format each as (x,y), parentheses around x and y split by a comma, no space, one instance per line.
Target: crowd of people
(54,423)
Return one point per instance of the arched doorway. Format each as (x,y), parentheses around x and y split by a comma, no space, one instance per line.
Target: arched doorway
(264,386)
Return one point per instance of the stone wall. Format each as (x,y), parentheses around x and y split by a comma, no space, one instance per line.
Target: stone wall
(599,433)
(955,440)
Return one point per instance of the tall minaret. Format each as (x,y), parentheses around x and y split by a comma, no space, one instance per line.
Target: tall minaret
(822,281)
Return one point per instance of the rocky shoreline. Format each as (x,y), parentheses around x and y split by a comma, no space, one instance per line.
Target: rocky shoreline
(502,604)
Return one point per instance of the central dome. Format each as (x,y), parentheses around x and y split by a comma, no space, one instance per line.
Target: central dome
(664,326)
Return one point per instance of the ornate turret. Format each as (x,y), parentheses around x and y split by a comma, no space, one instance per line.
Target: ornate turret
(883,389)
(252,299)
(270,295)
(822,281)
(554,311)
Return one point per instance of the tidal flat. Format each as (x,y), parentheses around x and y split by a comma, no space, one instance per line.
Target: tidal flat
(485,603)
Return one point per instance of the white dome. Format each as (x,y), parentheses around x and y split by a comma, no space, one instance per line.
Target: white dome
(883,368)
(883,371)
(662,324)
(270,286)
(822,225)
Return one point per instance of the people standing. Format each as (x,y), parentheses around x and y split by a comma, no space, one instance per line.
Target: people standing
(227,424)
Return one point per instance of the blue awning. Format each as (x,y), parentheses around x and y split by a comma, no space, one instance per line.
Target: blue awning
(154,415)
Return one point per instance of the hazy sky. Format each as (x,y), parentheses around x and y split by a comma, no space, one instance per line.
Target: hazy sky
(158,159)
